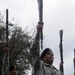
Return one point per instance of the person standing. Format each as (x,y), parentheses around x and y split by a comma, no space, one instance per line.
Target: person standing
(46,64)
(13,70)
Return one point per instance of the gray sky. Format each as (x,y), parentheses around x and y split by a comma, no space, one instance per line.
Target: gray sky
(58,14)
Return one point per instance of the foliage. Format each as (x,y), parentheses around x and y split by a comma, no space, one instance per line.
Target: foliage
(19,43)
(2,44)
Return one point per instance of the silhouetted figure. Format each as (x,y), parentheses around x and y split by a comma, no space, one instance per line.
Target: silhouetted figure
(13,70)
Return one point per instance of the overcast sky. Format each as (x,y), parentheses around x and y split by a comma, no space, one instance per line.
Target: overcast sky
(57,15)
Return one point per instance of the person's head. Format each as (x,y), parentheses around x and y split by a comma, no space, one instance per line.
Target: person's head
(13,70)
(47,56)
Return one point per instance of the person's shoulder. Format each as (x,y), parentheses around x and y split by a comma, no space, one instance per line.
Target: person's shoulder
(58,72)
(53,67)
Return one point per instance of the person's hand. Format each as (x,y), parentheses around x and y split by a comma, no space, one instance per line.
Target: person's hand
(40,25)
(16,72)
(74,73)
(61,64)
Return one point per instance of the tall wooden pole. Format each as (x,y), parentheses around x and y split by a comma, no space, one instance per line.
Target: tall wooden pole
(6,26)
(7,42)
(40,5)
(61,50)
(5,67)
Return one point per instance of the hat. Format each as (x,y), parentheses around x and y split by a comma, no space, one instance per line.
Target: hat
(45,51)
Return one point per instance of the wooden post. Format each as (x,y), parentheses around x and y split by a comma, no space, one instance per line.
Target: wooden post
(61,50)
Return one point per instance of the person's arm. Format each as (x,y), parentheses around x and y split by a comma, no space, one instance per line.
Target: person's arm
(60,66)
(35,49)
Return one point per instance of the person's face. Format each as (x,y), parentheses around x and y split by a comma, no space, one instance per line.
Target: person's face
(49,57)
(14,71)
